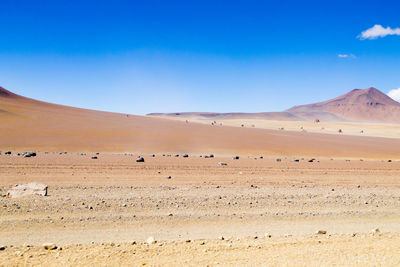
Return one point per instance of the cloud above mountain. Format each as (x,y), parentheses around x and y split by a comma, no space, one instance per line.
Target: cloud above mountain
(378,31)
(394,94)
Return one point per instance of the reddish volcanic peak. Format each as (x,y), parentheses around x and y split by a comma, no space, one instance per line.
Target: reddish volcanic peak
(370,96)
(356,97)
(357,105)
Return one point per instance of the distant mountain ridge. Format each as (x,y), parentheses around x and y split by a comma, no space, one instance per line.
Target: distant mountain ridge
(357,105)
(363,105)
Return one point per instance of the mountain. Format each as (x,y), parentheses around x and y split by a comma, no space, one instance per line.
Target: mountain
(366,105)
(30,125)
(360,105)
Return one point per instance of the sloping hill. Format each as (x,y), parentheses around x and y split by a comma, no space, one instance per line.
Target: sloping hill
(27,124)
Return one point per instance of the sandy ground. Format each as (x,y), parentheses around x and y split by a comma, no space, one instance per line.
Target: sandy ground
(96,209)
(386,130)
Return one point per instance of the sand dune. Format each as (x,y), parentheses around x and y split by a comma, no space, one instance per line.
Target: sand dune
(33,125)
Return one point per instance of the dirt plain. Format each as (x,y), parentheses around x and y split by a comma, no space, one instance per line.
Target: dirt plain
(101,211)
(253,211)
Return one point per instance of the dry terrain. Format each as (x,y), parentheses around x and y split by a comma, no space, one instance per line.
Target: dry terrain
(251,211)
(97,209)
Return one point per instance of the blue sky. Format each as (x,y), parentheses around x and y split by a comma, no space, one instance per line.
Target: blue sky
(165,56)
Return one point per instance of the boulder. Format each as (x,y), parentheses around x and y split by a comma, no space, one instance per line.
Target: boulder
(321,232)
(27,189)
(235,157)
(29,154)
(185,155)
(140,159)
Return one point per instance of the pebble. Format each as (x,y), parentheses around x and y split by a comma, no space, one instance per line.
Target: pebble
(151,240)
(49,246)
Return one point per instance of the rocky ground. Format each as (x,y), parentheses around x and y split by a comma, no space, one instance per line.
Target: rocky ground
(101,211)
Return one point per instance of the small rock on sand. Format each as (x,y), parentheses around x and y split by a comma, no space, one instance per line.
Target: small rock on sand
(222,164)
(151,240)
(140,159)
(375,231)
(49,246)
(321,232)
(2,247)
(27,189)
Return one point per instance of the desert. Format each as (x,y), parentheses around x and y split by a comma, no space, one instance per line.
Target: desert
(203,194)
(199,133)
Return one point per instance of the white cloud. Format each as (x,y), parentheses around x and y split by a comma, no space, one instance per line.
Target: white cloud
(394,94)
(378,31)
(346,56)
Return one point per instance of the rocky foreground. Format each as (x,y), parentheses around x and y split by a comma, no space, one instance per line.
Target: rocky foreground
(251,211)
(375,249)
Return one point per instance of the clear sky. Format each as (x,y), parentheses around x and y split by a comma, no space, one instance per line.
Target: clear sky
(168,56)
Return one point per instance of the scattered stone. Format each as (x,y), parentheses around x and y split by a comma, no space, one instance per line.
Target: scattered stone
(268,235)
(29,154)
(170,214)
(375,231)
(222,164)
(7,153)
(169,177)
(49,246)
(321,232)
(27,189)
(235,157)
(94,157)
(185,155)
(140,159)
(151,240)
